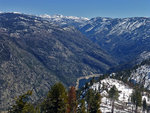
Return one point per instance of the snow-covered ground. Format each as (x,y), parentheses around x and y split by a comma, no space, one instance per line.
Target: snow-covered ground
(143,56)
(123,105)
(124,89)
(142,75)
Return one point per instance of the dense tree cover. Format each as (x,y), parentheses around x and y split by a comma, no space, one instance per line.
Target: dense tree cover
(59,101)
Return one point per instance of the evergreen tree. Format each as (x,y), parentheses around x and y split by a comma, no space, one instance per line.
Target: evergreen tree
(144,105)
(89,97)
(113,95)
(29,108)
(72,101)
(81,108)
(86,85)
(95,105)
(22,105)
(92,81)
(56,101)
(93,101)
(136,99)
(99,87)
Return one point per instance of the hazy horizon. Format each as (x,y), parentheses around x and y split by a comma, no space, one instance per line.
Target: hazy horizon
(88,8)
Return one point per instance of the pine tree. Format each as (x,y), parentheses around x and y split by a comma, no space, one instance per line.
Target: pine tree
(99,87)
(113,95)
(95,105)
(22,105)
(56,101)
(93,101)
(92,81)
(81,108)
(136,99)
(144,105)
(89,97)
(28,108)
(72,101)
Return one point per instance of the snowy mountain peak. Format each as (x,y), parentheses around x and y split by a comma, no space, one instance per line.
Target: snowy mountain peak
(17,12)
(59,17)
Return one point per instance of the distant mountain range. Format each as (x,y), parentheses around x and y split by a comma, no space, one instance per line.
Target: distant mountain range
(38,51)
(124,38)
(65,21)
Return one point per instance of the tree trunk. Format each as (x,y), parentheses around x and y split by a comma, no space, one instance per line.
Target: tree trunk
(112,110)
(136,107)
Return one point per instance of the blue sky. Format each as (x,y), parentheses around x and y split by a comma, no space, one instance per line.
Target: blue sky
(84,8)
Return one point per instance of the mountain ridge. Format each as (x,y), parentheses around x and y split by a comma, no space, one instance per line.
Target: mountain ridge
(36,53)
(121,37)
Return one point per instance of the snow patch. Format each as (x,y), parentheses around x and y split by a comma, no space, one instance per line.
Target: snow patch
(142,76)
(123,105)
(59,17)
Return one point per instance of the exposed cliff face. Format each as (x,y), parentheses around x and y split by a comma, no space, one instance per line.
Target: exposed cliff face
(34,54)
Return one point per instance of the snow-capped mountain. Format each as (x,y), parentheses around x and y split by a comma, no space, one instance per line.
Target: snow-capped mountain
(123,38)
(48,49)
(126,39)
(35,54)
(65,20)
(60,17)
(116,26)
